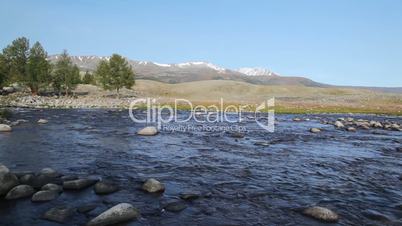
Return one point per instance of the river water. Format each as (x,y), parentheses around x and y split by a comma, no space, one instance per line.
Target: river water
(242,183)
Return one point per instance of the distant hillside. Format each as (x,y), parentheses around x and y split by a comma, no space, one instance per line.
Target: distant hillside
(196,71)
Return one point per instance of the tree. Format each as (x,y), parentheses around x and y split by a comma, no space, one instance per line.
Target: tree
(115,74)
(3,71)
(38,69)
(16,55)
(66,75)
(88,78)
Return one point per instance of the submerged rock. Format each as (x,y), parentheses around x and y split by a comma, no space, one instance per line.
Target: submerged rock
(20,191)
(351,129)
(78,184)
(315,130)
(7,180)
(374,215)
(175,206)
(148,131)
(152,185)
(43,196)
(104,187)
(5,128)
(117,214)
(58,214)
(321,213)
(42,121)
(86,208)
(190,195)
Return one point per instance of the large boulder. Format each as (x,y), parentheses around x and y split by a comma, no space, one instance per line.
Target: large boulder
(44,196)
(5,128)
(152,185)
(7,180)
(52,187)
(321,213)
(20,191)
(58,214)
(78,184)
(148,131)
(117,214)
(105,187)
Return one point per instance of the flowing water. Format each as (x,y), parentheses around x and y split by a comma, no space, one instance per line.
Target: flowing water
(242,183)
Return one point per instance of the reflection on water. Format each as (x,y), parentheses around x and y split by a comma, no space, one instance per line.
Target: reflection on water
(242,183)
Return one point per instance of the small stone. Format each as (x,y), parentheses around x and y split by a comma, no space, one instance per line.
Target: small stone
(321,213)
(339,124)
(315,130)
(58,214)
(237,135)
(148,131)
(296,119)
(351,129)
(262,143)
(175,206)
(104,187)
(52,187)
(42,121)
(152,185)
(120,213)
(43,196)
(20,191)
(49,172)
(5,128)
(78,184)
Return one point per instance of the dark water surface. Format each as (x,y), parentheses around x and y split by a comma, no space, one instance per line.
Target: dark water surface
(242,183)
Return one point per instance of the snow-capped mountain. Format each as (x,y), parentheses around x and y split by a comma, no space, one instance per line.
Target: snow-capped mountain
(193,71)
(256,71)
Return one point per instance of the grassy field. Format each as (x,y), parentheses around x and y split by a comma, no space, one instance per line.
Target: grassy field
(288,99)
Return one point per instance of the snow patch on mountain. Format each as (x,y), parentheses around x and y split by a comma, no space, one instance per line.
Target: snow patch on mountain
(256,71)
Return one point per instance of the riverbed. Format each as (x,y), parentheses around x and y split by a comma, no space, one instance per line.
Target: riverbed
(261,179)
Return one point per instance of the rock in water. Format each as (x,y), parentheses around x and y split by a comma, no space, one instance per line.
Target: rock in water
(117,214)
(321,213)
(152,185)
(58,214)
(339,124)
(103,188)
(52,187)
(351,129)
(7,180)
(78,184)
(315,130)
(49,172)
(190,195)
(20,191)
(5,128)
(148,131)
(175,206)
(43,196)
(42,121)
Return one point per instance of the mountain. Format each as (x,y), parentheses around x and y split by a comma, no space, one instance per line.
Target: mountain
(195,71)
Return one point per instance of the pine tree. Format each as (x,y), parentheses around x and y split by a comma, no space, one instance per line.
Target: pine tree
(38,69)
(115,74)
(3,71)
(66,75)
(88,78)
(16,55)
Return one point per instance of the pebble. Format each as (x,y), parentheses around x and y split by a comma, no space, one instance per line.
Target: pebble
(5,128)
(78,184)
(58,214)
(20,191)
(152,185)
(104,187)
(315,130)
(148,131)
(43,196)
(321,213)
(42,121)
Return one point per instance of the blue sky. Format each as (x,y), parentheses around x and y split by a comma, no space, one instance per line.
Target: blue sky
(343,42)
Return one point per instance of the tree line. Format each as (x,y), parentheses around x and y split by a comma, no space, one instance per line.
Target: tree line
(29,66)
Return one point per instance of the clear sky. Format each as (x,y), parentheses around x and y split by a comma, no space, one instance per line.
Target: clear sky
(343,42)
